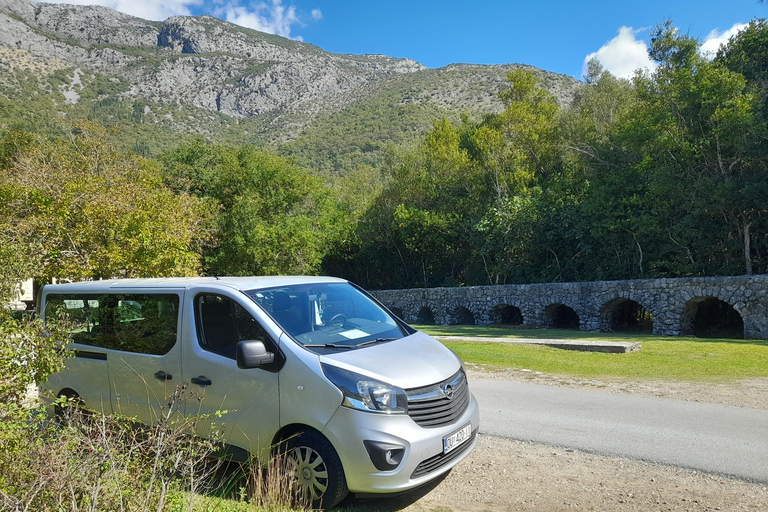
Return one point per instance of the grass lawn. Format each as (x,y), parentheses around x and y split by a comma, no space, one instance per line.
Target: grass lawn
(664,358)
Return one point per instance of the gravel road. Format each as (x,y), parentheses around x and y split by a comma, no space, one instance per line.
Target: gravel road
(508,475)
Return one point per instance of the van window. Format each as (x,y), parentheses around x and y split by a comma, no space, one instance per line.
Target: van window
(143,323)
(222,323)
(327,315)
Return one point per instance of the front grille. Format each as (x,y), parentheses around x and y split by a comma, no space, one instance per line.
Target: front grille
(440,460)
(439,404)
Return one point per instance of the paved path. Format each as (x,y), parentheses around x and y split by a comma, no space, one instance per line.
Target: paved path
(615,347)
(719,439)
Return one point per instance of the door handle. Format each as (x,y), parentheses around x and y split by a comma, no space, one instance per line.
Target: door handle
(161,375)
(201,381)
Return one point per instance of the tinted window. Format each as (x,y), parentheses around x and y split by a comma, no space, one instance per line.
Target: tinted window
(222,323)
(327,315)
(143,323)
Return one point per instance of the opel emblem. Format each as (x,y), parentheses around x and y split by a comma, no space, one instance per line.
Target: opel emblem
(448,390)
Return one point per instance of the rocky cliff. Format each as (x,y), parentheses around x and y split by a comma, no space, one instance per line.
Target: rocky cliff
(184,70)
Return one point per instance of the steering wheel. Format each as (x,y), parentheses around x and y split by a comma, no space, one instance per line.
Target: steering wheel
(338,318)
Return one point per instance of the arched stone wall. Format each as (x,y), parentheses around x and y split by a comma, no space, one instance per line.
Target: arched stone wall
(625,315)
(711,317)
(506,314)
(424,316)
(562,316)
(664,299)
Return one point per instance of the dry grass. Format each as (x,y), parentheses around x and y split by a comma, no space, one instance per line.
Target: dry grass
(28,62)
(90,461)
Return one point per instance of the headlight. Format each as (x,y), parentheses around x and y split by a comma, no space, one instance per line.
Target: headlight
(364,393)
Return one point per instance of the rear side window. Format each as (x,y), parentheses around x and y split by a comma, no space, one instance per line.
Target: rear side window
(142,323)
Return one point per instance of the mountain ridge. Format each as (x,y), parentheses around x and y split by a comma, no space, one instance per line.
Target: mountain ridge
(207,77)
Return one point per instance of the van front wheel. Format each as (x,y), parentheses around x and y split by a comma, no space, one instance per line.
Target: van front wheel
(317,469)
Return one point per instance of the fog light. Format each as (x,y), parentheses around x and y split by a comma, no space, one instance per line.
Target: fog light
(385,456)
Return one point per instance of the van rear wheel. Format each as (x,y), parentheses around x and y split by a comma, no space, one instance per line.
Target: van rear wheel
(68,406)
(317,469)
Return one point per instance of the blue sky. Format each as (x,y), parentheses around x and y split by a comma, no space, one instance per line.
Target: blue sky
(554,35)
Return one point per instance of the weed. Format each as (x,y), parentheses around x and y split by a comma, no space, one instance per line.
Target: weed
(88,461)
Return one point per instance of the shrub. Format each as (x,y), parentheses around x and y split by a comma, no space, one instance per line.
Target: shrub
(90,461)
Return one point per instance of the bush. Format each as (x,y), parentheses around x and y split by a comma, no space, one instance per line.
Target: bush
(29,352)
(90,461)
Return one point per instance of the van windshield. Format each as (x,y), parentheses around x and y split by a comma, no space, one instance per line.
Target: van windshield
(327,315)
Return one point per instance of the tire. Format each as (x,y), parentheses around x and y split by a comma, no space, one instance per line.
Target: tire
(317,468)
(74,407)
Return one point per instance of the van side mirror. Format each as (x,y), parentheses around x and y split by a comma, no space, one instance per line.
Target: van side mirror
(253,354)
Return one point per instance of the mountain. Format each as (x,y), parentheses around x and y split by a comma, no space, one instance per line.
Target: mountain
(158,82)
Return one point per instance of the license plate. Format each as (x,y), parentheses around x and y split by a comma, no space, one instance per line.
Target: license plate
(457,438)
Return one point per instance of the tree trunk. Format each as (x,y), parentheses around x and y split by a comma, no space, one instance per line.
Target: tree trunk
(747,248)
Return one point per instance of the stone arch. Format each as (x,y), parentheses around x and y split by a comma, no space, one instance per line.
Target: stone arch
(398,312)
(506,314)
(425,316)
(710,317)
(461,316)
(560,316)
(626,315)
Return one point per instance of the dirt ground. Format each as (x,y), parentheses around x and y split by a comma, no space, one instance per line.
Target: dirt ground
(506,475)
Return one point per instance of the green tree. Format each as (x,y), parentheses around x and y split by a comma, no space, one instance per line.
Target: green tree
(672,167)
(705,147)
(662,175)
(747,53)
(590,121)
(28,351)
(603,224)
(84,210)
(519,155)
(273,217)
(416,232)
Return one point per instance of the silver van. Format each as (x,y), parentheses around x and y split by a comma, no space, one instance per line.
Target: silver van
(363,402)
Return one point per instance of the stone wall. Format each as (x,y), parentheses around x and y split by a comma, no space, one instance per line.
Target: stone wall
(673,303)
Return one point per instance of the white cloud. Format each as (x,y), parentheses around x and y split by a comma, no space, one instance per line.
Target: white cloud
(146,9)
(271,17)
(715,39)
(623,54)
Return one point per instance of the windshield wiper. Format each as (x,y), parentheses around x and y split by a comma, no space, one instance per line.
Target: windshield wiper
(328,345)
(377,340)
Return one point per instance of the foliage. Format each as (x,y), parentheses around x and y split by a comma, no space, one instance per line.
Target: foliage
(660,176)
(463,205)
(87,211)
(29,353)
(415,231)
(702,147)
(89,461)
(747,51)
(273,217)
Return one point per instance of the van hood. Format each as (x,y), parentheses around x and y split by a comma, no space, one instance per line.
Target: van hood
(411,362)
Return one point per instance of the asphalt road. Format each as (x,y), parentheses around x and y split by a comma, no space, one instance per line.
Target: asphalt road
(718,439)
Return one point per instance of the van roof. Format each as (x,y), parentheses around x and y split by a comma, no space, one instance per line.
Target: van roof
(240,283)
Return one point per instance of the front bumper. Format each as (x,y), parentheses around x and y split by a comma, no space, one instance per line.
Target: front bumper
(422,461)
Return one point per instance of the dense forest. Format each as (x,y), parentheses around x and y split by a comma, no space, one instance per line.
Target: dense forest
(664,175)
